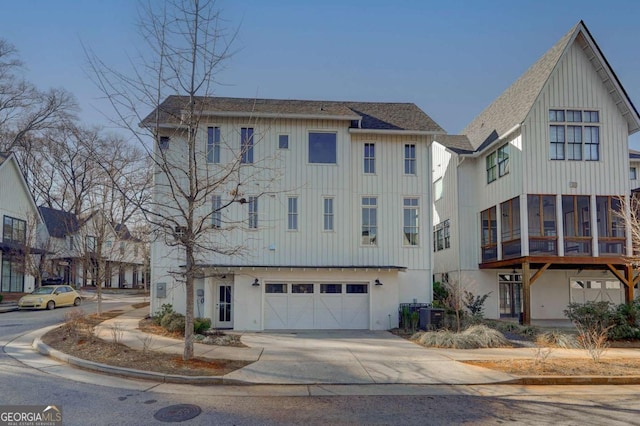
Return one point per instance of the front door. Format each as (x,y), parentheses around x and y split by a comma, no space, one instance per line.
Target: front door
(224,306)
(510,295)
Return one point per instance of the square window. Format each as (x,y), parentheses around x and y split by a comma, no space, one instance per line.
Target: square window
(322,148)
(283,141)
(556,115)
(163,143)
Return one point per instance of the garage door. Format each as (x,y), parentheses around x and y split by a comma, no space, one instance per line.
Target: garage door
(300,306)
(597,290)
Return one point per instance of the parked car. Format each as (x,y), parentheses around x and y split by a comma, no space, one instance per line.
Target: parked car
(50,297)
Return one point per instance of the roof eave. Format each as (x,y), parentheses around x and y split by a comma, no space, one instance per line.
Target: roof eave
(397,132)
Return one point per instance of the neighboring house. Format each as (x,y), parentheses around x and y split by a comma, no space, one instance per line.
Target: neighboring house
(20,223)
(338,241)
(77,243)
(525,201)
(634,169)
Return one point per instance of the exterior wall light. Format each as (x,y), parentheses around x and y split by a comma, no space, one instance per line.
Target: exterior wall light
(378,282)
(256,283)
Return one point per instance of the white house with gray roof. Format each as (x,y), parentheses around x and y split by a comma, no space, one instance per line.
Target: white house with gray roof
(337,236)
(525,200)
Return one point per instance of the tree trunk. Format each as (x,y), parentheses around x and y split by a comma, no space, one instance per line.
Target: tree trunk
(188,317)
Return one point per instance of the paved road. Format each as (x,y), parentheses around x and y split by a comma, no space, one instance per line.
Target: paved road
(113,401)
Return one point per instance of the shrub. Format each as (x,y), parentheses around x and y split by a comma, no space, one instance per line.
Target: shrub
(475,337)
(625,321)
(173,322)
(593,321)
(200,325)
(486,337)
(167,308)
(475,304)
(557,339)
(440,295)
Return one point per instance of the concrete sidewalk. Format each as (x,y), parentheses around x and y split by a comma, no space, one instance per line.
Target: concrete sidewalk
(322,358)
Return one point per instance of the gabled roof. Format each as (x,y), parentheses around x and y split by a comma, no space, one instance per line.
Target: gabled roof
(511,108)
(457,143)
(59,223)
(372,115)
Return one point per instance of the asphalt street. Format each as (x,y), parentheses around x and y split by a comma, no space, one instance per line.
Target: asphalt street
(128,402)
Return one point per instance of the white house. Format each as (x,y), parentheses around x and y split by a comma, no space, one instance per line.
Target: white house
(335,236)
(73,247)
(20,224)
(524,200)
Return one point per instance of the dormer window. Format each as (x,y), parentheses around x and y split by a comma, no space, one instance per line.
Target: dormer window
(574,135)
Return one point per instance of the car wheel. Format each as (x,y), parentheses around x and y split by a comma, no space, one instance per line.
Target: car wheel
(76,302)
(51,304)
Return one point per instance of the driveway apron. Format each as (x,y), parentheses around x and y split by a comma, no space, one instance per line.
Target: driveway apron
(353,357)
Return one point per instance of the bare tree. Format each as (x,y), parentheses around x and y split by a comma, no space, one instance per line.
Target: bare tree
(186,44)
(38,247)
(26,111)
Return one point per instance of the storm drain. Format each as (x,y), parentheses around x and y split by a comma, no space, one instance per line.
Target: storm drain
(177,413)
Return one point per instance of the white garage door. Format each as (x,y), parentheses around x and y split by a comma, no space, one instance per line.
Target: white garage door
(597,290)
(291,306)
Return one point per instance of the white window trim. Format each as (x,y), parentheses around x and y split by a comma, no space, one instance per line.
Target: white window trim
(335,132)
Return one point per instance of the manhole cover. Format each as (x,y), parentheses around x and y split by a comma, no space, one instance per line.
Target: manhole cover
(177,413)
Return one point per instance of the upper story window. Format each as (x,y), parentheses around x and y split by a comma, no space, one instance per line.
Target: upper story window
(122,248)
(322,148)
(213,144)
(410,227)
(253,212)
(633,173)
(14,230)
(497,163)
(574,135)
(441,236)
(163,143)
(283,141)
(410,159)
(70,239)
(369,221)
(611,229)
(489,237)
(577,224)
(328,214)
(216,211)
(246,145)
(91,244)
(292,214)
(369,158)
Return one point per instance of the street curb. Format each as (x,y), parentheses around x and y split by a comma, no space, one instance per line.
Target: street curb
(44,349)
(574,380)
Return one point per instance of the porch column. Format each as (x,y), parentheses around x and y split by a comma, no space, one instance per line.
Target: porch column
(526,294)
(629,283)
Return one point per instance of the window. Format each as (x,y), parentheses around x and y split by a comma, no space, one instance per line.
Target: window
(246,145)
(283,141)
(577,224)
(70,237)
(253,212)
(163,143)
(328,214)
(357,288)
(302,288)
(611,232)
(12,274)
(492,167)
(441,236)
(91,244)
(633,173)
(503,160)
(437,189)
(322,148)
(275,288)
(213,145)
(489,237)
(369,158)
(122,247)
(369,221)
(331,288)
(582,142)
(541,213)
(14,230)
(216,211)
(410,159)
(410,218)
(292,220)
(510,227)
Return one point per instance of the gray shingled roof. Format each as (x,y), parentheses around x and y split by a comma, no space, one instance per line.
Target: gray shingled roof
(374,115)
(4,156)
(512,107)
(59,223)
(456,143)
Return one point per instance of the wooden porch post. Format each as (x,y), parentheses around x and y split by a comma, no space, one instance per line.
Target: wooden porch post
(629,283)
(526,294)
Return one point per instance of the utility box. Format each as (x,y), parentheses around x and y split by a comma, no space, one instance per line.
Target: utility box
(161,290)
(431,318)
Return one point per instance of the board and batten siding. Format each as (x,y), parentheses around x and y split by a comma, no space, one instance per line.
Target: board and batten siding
(575,85)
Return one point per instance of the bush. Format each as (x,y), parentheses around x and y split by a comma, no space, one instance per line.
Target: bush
(167,308)
(200,325)
(478,336)
(557,339)
(590,316)
(475,304)
(440,295)
(625,321)
(173,322)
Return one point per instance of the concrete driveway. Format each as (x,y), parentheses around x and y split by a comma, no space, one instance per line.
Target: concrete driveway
(353,357)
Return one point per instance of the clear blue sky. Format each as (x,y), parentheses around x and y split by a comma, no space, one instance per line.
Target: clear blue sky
(451,58)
